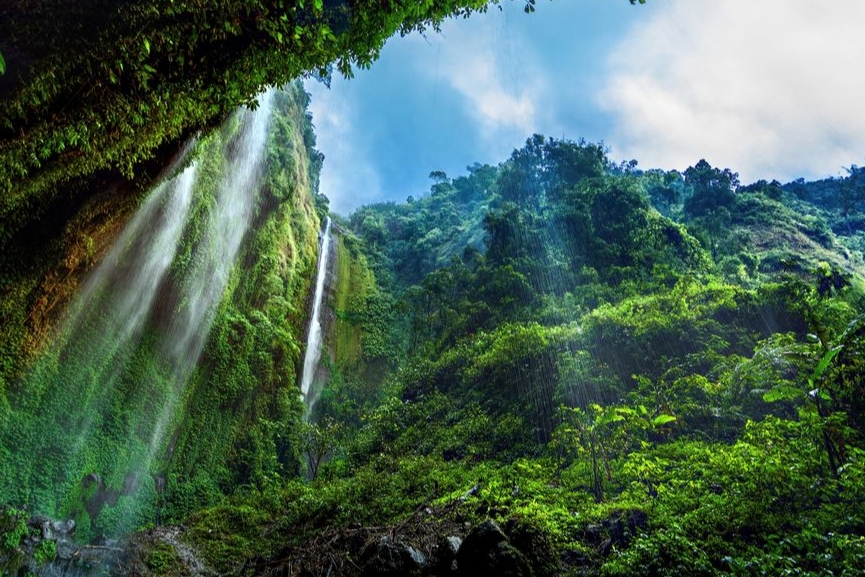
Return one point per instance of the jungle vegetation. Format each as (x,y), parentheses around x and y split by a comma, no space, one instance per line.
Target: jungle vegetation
(659,371)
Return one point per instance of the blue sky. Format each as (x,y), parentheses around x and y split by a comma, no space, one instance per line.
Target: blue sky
(769,89)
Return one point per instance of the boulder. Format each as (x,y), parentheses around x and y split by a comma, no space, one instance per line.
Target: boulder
(445,556)
(617,530)
(534,545)
(388,558)
(487,551)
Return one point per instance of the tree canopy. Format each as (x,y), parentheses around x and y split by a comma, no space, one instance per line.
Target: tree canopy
(96,85)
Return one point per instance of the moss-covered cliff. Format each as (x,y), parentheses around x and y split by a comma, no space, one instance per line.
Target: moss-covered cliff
(101,419)
(362,334)
(239,423)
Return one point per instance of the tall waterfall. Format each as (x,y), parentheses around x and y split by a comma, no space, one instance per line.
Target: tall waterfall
(114,378)
(213,257)
(312,391)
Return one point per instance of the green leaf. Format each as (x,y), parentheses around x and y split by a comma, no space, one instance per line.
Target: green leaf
(855,326)
(2,64)
(782,393)
(662,420)
(824,362)
(608,417)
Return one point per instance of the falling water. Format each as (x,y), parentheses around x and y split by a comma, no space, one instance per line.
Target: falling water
(314,337)
(213,258)
(115,376)
(112,320)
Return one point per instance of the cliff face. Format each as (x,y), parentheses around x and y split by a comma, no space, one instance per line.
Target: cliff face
(361,333)
(238,425)
(121,406)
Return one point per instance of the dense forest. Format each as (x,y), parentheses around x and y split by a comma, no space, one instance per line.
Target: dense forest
(557,365)
(658,371)
(572,367)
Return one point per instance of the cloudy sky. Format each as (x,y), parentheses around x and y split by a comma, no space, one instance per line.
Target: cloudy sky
(771,89)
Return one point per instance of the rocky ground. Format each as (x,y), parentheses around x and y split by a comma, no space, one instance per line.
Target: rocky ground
(435,541)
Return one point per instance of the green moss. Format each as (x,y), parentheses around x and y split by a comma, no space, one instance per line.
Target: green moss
(354,285)
(86,407)
(163,561)
(229,534)
(45,551)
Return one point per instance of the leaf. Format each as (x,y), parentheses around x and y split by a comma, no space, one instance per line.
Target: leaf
(781,393)
(608,417)
(819,394)
(2,64)
(662,420)
(824,362)
(855,326)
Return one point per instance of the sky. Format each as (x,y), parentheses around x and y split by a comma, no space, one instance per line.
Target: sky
(771,89)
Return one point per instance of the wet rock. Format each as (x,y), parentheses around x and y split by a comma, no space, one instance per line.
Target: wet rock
(486,551)
(154,551)
(44,530)
(66,551)
(572,558)
(387,558)
(593,533)
(617,530)
(534,545)
(445,556)
(417,556)
(52,529)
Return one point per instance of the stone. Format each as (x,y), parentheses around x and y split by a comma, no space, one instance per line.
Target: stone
(616,531)
(572,558)
(444,559)
(534,545)
(391,559)
(486,551)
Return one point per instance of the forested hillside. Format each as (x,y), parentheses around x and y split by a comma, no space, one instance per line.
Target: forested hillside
(628,372)
(555,365)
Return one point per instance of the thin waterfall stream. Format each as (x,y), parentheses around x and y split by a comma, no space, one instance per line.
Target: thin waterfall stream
(309,388)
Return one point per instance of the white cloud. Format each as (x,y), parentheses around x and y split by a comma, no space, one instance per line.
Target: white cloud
(772,89)
(349,177)
(474,68)
(495,70)
(478,81)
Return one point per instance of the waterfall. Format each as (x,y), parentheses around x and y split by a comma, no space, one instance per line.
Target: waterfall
(112,319)
(93,416)
(312,391)
(213,258)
